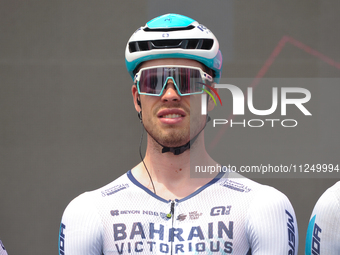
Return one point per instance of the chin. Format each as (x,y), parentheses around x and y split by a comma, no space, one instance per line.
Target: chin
(173,140)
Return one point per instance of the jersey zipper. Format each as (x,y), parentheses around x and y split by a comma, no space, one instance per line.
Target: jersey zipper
(171,214)
(172,209)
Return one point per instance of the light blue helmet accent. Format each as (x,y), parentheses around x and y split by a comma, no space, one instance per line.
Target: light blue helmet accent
(142,45)
(170,20)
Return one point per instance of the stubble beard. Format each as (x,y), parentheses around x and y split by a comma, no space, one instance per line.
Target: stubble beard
(174,136)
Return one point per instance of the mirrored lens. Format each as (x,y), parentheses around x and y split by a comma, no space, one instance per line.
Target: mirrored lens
(151,81)
(186,79)
(189,80)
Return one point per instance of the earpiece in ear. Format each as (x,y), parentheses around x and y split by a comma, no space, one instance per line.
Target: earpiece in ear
(140,112)
(140,116)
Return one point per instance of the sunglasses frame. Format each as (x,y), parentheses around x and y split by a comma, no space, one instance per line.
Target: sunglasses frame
(204,77)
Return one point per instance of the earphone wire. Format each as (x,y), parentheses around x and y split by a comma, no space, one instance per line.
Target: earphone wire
(140,154)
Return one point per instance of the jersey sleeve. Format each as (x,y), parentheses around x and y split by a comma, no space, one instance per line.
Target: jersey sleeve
(80,229)
(323,233)
(272,226)
(2,249)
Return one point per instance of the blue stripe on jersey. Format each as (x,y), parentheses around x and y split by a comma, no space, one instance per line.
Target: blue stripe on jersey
(137,183)
(309,236)
(219,176)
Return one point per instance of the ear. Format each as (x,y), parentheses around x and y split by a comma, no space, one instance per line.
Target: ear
(135,97)
(211,103)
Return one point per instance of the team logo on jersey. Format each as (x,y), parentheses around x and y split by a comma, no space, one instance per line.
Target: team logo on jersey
(220,210)
(213,238)
(140,212)
(114,212)
(313,239)
(114,189)
(181,217)
(236,186)
(62,239)
(194,215)
(291,233)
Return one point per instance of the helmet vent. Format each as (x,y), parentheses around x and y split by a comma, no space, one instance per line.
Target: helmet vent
(202,44)
(168,29)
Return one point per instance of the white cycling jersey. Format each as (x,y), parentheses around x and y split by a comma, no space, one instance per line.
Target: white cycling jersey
(2,249)
(226,216)
(323,233)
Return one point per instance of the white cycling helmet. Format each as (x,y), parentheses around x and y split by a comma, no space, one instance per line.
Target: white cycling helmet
(173,36)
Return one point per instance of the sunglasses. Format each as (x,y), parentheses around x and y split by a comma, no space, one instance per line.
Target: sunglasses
(151,81)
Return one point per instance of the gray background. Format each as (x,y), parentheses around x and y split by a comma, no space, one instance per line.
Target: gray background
(67,123)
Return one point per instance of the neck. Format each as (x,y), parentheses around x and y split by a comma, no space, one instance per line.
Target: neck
(172,174)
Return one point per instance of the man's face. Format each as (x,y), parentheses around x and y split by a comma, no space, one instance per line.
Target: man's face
(171,119)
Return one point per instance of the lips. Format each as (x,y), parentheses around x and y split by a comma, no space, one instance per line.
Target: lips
(171,116)
(171,113)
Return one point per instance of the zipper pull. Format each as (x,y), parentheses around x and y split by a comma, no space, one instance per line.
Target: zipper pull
(172,208)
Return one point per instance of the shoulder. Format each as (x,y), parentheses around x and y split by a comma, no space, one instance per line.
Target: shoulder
(270,196)
(263,194)
(2,249)
(262,199)
(88,202)
(328,205)
(323,229)
(81,229)
(269,201)
(331,197)
(271,224)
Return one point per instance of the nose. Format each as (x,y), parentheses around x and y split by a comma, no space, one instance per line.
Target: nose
(170,92)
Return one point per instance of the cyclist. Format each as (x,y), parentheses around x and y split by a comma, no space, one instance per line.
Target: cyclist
(156,207)
(323,233)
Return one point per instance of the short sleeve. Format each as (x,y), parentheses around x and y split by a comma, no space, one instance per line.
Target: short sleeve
(272,226)
(81,228)
(323,233)
(2,249)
